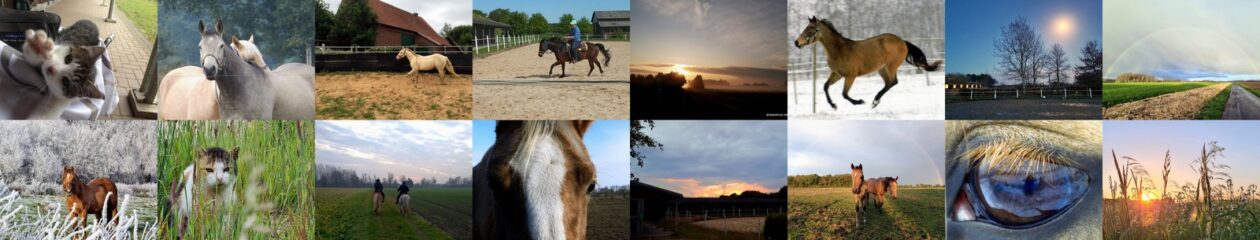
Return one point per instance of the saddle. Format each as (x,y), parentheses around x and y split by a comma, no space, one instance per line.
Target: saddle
(580,50)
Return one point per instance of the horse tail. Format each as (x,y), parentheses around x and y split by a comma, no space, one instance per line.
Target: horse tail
(450,67)
(917,58)
(605,51)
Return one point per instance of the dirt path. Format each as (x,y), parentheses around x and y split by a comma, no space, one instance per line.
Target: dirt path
(387,95)
(1178,105)
(551,100)
(1242,104)
(523,63)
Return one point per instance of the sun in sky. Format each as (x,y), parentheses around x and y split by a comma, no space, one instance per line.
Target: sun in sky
(1147,197)
(681,69)
(1062,27)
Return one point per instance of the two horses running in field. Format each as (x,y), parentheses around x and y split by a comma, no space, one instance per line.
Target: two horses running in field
(99,197)
(873,189)
(850,59)
(425,63)
(558,47)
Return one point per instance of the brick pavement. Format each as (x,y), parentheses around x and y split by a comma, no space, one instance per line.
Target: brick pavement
(129,51)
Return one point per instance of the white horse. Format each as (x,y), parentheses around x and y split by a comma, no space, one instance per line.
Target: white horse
(404,204)
(426,63)
(187,95)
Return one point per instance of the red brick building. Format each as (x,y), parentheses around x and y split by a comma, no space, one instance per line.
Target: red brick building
(396,27)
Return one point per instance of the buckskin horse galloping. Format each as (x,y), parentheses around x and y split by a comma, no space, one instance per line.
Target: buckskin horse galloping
(558,47)
(850,59)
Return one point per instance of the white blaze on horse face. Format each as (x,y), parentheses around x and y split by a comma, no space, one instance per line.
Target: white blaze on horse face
(543,175)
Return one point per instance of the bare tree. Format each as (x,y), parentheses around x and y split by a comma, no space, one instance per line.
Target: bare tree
(1019,51)
(1058,65)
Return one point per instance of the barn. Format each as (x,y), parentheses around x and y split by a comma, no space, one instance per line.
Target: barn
(396,27)
(484,28)
(611,23)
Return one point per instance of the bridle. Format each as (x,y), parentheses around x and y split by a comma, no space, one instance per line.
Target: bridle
(218,63)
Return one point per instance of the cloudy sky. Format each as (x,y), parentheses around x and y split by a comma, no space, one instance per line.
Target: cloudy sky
(973,26)
(714,158)
(417,149)
(912,150)
(1189,40)
(436,12)
(608,143)
(1147,141)
(553,9)
(738,40)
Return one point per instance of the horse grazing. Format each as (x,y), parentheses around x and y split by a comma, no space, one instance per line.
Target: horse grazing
(95,197)
(533,182)
(248,91)
(435,61)
(557,47)
(404,204)
(850,59)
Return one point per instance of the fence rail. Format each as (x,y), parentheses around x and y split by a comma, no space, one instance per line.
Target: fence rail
(384,58)
(1042,93)
(425,50)
(495,43)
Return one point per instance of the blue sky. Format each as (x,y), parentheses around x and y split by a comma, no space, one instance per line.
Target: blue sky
(911,150)
(608,143)
(712,158)
(1147,141)
(972,26)
(553,9)
(417,149)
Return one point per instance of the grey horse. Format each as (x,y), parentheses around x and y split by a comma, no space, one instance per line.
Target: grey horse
(247,91)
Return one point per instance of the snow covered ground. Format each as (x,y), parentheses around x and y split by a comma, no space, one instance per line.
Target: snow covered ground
(913,98)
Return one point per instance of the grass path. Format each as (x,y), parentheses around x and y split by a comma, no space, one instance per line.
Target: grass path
(1117,93)
(346,213)
(818,213)
(1182,105)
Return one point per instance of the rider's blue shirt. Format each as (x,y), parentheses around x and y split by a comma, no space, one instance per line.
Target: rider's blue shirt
(576,33)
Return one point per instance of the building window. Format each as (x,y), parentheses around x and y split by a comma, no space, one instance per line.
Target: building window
(408,40)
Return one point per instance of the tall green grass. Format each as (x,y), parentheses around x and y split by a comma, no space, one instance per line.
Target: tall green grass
(1215,107)
(274,178)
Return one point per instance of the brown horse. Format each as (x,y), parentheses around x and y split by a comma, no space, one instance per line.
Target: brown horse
(91,198)
(850,59)
(859,189)
(879,187)
(557,47)
(534,182)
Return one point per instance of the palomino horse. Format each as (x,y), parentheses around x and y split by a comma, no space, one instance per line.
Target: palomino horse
(404,204)
(94,197)
(533,183)
(247,91)
(557,47)
(186,94)
(850,59)
(1013,179)
(377,199)
(859,190)
(435,61)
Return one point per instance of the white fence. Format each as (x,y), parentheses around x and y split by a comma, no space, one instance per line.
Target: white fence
(392,49)
(1043,93)
(500,42)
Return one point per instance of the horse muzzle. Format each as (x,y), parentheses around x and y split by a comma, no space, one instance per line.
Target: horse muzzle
(211,72)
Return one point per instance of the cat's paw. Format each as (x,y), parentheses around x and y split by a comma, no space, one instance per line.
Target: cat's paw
(37,47)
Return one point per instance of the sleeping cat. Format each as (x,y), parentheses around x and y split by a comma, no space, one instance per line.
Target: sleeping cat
(214,169)
(68,66)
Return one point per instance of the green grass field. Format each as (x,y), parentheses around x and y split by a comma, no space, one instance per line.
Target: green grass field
(1215,107)
(143,13)
(825,213)
(1117,93)
(437,213)
(274,180)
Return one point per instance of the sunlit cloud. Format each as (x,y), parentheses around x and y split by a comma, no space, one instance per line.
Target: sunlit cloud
(696,188)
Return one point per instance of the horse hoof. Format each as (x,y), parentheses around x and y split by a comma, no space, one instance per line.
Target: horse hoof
(874,104)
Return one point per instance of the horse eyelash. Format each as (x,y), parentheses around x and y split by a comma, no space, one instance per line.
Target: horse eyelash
(1011,155)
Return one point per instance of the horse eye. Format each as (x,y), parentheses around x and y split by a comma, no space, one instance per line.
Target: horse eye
(590,189)
(1023,196)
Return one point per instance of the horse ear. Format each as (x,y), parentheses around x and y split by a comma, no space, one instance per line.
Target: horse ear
(219,27)
(251,38)
(582,126)
(201,26)
(236,42)
(851,166)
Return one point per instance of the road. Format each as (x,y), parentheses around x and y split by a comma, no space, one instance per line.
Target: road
(1242,104)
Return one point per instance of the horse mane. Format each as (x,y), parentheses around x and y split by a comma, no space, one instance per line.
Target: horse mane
(827,23)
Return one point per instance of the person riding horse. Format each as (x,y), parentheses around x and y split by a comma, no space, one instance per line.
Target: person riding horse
(402,190)
(378,188)
(575,35)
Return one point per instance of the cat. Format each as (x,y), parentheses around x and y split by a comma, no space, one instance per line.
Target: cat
(67,64)
(213,172)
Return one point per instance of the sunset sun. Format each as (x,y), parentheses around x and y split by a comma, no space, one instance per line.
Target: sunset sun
(1147,197)
(681,69)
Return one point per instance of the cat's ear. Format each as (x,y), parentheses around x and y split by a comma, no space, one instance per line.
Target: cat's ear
(90,91)
(200,152)
(236,152)
(94,53)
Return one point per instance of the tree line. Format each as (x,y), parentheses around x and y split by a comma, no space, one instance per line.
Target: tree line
(354,23)
(333,176)
(1024,57)
(33,152)
(536,23)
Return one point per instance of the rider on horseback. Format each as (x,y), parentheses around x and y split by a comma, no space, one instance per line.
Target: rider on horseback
(575,35)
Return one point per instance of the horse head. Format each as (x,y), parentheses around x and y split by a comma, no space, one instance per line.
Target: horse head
(892,185)
(809,35)
(543,46)
(540,175)
(212,48)
(857,178)
(402,53)
(248,49)
(68,180)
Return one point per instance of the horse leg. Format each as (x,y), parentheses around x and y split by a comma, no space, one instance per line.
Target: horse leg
(598,65)
(553,67)
(591,63)
(827,87)
(561,70)
(890,80)
(848,85)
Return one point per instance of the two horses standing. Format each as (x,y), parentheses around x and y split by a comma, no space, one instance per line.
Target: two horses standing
(873,189)
(99,197)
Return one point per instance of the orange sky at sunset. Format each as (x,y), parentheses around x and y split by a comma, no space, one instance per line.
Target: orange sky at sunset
(694,188)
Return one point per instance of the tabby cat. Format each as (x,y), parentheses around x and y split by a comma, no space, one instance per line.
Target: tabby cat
(68,65)
(215,169)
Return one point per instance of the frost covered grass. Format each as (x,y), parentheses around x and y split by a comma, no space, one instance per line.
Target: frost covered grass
(274,183)
(22,221)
